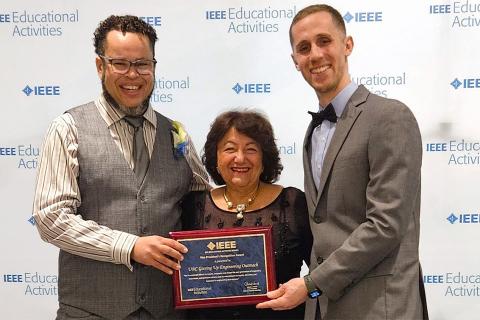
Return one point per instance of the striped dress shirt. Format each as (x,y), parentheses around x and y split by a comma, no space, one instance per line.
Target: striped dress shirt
(57,195)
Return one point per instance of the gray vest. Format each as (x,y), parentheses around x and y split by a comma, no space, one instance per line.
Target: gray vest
(111,198)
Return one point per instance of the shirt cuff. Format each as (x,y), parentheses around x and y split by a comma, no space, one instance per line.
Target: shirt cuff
(122,248)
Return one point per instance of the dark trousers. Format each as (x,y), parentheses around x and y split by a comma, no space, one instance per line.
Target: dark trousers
(66,312)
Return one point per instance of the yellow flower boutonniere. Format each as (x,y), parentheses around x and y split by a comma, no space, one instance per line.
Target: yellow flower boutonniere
(179,139)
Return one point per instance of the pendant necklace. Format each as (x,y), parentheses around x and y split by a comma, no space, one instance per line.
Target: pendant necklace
(241,207)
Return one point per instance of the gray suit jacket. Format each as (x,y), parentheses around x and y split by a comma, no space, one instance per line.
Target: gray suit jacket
(365,215)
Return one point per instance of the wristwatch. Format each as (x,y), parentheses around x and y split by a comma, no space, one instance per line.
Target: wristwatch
(312,290)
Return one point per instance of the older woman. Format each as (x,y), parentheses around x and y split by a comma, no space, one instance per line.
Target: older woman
(242,157)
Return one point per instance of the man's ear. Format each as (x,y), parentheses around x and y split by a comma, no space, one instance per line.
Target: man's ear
(295,62)
(100,66)
(348,45)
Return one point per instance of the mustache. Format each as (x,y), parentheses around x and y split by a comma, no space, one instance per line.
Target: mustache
(136,111)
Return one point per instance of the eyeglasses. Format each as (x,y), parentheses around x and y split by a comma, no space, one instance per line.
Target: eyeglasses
(122,66)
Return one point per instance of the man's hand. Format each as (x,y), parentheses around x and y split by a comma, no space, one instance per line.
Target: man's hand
(158,252)
(288,296)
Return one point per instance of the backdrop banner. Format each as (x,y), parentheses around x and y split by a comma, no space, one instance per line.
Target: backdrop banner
(214,55)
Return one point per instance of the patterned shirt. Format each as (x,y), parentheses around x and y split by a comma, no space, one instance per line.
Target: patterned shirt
(57,195)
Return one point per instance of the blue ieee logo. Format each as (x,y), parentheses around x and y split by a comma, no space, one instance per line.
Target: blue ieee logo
(237,88)
(27,90)
(456,83)
(433,278)
(252,88)
(464,218)
(31,220)
(5,18)
(8,151)
(452,218)
(13,278)
(348,17)
(36,284)
(153,21)
(49,90)
(216,15)
(27,155)
(440,8)
(364,16)
(467,83)
(436,147)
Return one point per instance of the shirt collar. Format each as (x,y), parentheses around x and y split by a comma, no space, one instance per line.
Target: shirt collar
(112,115)
(341,99)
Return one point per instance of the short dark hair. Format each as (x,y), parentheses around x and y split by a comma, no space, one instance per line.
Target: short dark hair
(255,126)
(124,24)
(336,17)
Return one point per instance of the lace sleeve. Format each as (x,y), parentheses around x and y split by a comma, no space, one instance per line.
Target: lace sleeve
(301,217)
(193,208)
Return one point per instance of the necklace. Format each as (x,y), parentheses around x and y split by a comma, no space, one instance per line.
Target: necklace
(241,207)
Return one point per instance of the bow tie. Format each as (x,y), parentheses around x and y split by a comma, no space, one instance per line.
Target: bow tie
(326,114)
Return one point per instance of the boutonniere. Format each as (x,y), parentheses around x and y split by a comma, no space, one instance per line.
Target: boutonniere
(179,139)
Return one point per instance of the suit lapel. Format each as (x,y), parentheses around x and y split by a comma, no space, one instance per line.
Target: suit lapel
(344,124)
(310,189)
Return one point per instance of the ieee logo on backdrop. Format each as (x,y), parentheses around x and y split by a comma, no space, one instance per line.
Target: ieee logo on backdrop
(457,152)
(466,83)
(24,155)
(464,14)
(463,218)
(454,283)
(154,21)
(49,22)
(250,19)
(363,16)
(45,23)
(252,88)
(41,90)
(32,283)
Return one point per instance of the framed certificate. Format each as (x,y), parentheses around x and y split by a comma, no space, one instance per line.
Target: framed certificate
(224,267)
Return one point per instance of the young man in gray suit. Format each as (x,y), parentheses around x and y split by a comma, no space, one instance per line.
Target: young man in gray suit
(362,163)
(112,175)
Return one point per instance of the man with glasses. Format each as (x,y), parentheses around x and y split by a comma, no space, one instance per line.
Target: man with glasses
(111,177)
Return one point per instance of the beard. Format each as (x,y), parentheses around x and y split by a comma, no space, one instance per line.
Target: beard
(135,111)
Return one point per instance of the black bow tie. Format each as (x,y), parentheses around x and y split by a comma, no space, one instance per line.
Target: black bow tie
(326,114)
(317,118)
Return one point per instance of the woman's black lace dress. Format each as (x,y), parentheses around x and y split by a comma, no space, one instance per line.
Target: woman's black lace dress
(292,242)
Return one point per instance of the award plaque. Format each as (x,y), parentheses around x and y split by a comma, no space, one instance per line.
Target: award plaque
(224,267)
